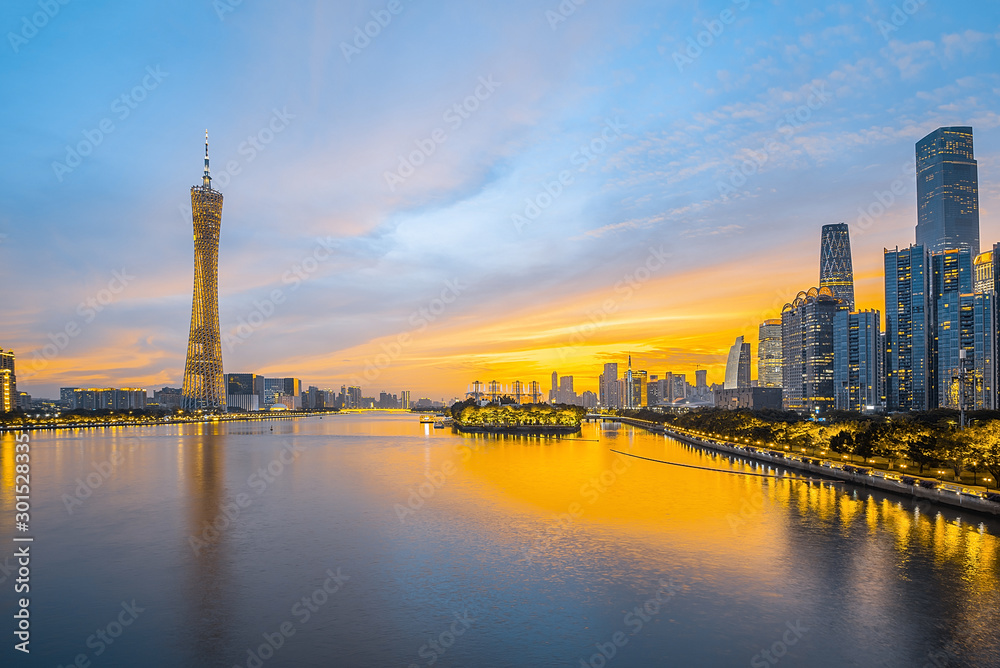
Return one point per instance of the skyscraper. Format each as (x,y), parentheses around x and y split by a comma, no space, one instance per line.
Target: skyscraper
(953,340)
(857,355)
(947,191)
(909,330)
(807,350)
(982,273)
(738,365)
(609,394)
(965,349)
(701,378)
(8,381)
(836,270)
(204,383)
(769,353)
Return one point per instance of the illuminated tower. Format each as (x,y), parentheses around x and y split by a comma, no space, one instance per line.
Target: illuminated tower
(835,268)
(204,384)
(947,191)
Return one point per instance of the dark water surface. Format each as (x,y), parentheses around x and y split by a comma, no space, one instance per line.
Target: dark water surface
(379,541)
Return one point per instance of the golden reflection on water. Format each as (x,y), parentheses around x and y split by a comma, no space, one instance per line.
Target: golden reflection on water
(7,474)
(750,519)
(201,456)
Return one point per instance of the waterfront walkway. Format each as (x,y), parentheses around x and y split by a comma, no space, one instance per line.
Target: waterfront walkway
(964,496)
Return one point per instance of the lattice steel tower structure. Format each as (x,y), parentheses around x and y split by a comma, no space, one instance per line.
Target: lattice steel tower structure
(204,383)
(836,271)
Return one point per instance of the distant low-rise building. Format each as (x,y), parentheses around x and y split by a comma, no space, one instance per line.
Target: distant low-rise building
(754,398)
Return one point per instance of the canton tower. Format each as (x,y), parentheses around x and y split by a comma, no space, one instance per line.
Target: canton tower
(204,387)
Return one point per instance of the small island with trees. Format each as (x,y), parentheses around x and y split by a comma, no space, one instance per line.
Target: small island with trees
(517,419)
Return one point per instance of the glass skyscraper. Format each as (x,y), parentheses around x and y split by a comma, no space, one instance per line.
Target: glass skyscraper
(807,350)
(857,354)
(738,365)
(769,353)
(835,268)
(909,330)
(947,191)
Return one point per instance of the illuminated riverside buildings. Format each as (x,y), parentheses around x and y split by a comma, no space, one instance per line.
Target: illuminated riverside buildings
(769,353)
(609,387)
(8,381)
(639,391)
(947,191)
(858,360)
(807,350)
(738,365)
(836,270)
(276,388)
(126,398)
(909,330)
(982,273)
(244,391)
(966,346)
(204,384)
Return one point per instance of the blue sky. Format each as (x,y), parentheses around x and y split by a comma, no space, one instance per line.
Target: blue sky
(819,107)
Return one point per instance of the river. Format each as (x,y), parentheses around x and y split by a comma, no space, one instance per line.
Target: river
(373,540)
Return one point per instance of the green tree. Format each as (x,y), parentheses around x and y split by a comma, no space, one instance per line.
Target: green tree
(955,451)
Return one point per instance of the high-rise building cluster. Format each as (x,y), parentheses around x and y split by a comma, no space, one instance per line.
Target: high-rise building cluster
(103,398)
(939,346)
(252,392)
(636,388)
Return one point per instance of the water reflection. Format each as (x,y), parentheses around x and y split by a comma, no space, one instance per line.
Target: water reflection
(867,546)
(202,455)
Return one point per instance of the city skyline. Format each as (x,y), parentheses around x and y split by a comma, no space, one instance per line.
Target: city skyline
(684,272)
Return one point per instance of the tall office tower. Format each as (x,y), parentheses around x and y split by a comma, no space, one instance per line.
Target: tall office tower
(680,386)
(947,191)
(8,381)
(769,353)
(610,397)
(241,391)
(953,325)
(909,330)
(807,350)
(836,270)
(965,338)
(701,376)
(982,273)
(667,387)
(293,388)
(984,366)
(204,384)
(951,271)
(554,392)
(353,397)
(653,388)
(639,382)
(404,400)
(738,365)
(857,360)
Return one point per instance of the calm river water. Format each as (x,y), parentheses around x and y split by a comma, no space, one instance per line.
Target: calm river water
(373,540)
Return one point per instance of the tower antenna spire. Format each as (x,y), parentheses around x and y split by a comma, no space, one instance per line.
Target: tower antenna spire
(206,179)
